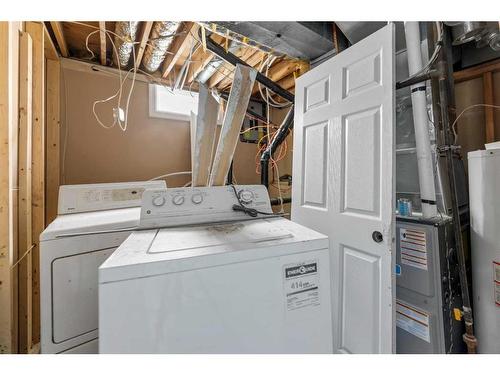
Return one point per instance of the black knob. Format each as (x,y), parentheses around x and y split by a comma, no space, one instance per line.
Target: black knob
(377,236)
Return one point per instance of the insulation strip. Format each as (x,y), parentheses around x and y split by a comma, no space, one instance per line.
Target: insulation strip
(124,43)
(161,37)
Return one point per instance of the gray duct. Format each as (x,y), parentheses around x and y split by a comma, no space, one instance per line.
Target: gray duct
(160,39)
(124,41)
(215,64)
(483,33)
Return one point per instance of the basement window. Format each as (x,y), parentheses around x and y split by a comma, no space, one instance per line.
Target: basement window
(176,105)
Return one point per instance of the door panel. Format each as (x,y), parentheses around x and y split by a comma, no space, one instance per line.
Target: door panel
(344,131)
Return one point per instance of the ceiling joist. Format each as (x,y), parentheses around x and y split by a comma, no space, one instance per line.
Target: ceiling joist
(201,59)
(48,45)
(59,34)
(102,40)
(181,41)
(146,30)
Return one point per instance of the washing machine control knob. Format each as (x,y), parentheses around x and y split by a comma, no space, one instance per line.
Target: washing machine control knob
(159,201)
(197,198)
(246,196)
(178,200)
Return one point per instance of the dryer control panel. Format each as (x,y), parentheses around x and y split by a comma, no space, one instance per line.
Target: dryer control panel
(199,205)
(100,197)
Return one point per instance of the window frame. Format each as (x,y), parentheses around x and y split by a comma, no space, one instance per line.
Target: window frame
(153,107)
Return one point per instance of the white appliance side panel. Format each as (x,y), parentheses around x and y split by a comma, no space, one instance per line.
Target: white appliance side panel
(344,185)
(484,185)
(246,307)
(75,293)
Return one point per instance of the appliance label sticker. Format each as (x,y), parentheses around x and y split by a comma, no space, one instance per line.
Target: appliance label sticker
(412,320)
(301,285)
(413,248)
(496,282)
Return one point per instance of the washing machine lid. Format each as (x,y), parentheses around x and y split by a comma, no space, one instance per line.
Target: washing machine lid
(159,251)
(92,222)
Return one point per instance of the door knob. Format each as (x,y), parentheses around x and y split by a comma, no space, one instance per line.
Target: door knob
(377,236)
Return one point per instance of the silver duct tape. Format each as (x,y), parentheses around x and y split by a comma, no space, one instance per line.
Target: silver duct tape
(124,43)
(161,38)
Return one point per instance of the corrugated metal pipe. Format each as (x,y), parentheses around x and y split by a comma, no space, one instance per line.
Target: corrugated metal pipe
(420,122)
(215,64)
(160,39)
(124,41)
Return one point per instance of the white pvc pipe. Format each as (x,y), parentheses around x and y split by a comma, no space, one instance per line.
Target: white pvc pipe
(422,139)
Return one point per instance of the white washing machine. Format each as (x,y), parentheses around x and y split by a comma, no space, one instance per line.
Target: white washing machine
(93,220)
(216,280)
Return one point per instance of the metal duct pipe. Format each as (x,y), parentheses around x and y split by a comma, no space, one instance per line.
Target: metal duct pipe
(161,37)
(214,65)
(209,70)
(124,41)
(422,139)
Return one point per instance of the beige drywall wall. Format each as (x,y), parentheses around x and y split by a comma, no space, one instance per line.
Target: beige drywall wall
(148,148)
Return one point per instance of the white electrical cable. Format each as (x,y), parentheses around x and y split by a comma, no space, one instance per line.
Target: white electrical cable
(170,174)
(123,126)
(266,64)
(465,110)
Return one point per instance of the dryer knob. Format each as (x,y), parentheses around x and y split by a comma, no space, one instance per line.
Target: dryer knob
(159,201)
(178,200)
(197,198)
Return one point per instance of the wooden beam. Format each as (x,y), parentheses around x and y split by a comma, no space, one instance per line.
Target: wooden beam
(201,59)
(59,34)
(246,56)
(225,70)
(279,71)
(476,71)
(25,260)
(8,315)
(35,30)
(53,79)
(236,107)
(180,42)
(206,124)
(49,47)
(146,30)
(102,40)
(489,114)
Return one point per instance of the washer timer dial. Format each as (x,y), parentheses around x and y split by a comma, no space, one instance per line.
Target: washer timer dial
(246,196)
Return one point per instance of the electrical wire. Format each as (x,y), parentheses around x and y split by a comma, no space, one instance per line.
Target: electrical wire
(266,64)
(170,174)
(453,125)
(247,210)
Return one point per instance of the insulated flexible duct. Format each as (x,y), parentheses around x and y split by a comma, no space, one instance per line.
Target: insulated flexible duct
(159,42)
(124,41)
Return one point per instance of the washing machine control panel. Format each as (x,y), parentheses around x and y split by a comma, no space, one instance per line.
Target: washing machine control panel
(198,205)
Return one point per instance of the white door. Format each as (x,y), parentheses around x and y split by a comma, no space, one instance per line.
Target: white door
(343,170)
